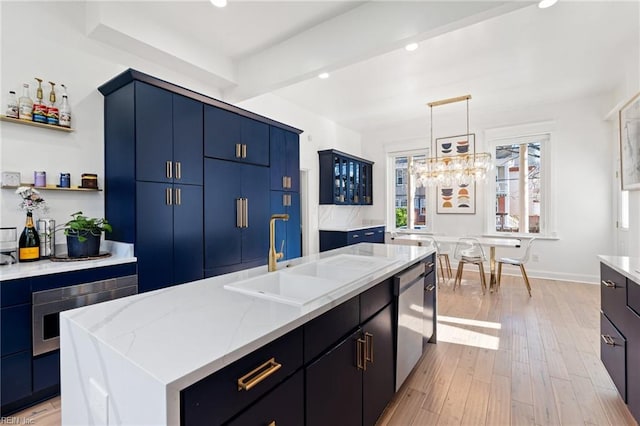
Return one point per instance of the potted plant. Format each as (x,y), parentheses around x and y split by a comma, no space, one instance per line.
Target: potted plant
(83,235)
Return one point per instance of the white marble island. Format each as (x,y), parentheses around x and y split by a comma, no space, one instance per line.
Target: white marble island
(126,361)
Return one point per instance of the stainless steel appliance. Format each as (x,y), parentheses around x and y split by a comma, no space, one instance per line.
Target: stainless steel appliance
(409,290)
(48,304)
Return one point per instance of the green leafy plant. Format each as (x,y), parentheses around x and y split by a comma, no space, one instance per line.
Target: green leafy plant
(81,225)
(401,217)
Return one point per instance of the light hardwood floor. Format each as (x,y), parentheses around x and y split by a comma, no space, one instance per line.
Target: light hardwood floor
(501,359)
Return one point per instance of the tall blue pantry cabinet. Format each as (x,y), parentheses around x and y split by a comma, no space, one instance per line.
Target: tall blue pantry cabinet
(181,170)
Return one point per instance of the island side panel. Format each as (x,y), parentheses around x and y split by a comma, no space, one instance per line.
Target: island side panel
(101,387)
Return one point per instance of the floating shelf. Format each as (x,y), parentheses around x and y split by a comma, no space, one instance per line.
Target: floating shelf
(52,188)
(35,124)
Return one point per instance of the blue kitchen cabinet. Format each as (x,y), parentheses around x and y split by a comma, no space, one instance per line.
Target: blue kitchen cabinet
(46,371)
(284,160)
(153,180)
(15,326)
(169,231)
(288,231)
(230,136)
(330,240)
(345,179)
(15,380)
(15,292)
(236,215)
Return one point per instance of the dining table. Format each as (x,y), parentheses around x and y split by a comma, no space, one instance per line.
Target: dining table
(488,242)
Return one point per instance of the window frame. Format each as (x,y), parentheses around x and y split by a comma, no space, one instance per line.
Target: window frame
(391,188)
(524,134)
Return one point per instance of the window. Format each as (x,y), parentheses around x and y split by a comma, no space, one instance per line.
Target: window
(519,185)
(410,198)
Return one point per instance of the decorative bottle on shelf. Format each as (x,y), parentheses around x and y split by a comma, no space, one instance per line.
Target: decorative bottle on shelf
(25,104)
(65,112)
(12,105)
(29,243)
(39,108)
(52,109)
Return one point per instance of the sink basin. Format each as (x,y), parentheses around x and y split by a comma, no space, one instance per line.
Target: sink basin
(302,284)
(291,289)
(343,267)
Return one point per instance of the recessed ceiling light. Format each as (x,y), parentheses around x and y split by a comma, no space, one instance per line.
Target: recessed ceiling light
(323,75)
(546,3)
(411,47)
(219,3)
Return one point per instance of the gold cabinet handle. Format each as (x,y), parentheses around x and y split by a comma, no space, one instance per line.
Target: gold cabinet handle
(244,150)
(258,374)
(178,196)
(430,287)
(368,234)
(608,283)
(178,170)
(368,348)
(239,210)
(246,212)
(361,364)
(168,169)
(608,340)
(284,182)
(355,236)
(168,196)
(430,265)
(238,150)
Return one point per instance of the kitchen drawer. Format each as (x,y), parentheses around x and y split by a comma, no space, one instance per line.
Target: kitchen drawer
(376,298)
(374,235)
(633,296)
(328,328)
(613,354)
(15,378)
(15,292)
(355,237)
(613,294)
(283,406)
(430,264)
(217,398)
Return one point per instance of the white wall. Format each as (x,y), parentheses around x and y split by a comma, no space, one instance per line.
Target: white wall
(69,56)
(60,52)
(582,158)
(319,133)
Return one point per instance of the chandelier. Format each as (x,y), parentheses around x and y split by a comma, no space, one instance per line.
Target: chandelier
(453,168)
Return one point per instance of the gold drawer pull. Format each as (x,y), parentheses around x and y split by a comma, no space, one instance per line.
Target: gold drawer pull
(257,375)
(168,169)
(178,170)
(361,363)
(368,234)
(368,351)
(608,340)
(608,283)
(430,265)
(244,150)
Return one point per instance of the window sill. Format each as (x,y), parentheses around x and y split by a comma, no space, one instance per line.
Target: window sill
(518,235)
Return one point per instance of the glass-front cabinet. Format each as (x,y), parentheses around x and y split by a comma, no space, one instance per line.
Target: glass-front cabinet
(345,179)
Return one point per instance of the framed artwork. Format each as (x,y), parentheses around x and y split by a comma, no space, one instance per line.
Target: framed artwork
(630,144)
(456,198)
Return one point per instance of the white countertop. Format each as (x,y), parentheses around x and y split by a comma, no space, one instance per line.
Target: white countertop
(349,228)
(627,266)
(120,253)
(182,334)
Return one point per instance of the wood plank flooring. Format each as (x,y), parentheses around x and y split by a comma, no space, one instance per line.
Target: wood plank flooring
(501,359)
(507,359)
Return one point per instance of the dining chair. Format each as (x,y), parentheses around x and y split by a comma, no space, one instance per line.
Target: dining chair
(469,250)
(443,254)
(517,261)
(431,242)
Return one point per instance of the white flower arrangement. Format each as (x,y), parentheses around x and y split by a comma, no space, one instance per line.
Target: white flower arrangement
(31,199)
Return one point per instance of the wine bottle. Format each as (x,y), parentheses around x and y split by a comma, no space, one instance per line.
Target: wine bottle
(29,243)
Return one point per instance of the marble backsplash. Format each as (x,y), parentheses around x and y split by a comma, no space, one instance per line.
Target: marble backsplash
(331,216)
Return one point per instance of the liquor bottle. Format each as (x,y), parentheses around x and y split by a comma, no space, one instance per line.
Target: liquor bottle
(25,104)
(65,112)
(29,243)
(12,105)
(39,114)
(52,109)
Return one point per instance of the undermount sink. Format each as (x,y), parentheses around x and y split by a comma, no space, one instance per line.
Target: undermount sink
(302,284)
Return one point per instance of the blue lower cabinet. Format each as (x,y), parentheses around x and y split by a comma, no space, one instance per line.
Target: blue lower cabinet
(15,378)
(15,326)
(288,231)
(15,292)
(46,371)
(330,240)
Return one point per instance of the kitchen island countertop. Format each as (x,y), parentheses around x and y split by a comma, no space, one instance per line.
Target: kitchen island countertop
(152,345)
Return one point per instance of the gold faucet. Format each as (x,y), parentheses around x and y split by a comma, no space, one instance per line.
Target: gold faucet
(273,254)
